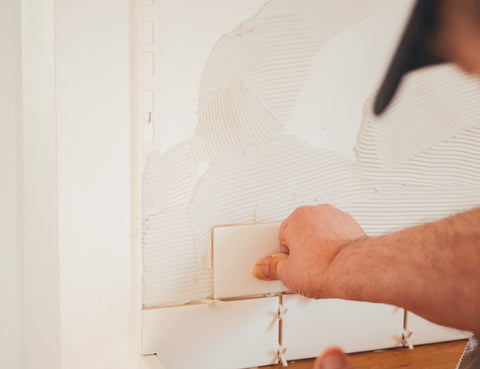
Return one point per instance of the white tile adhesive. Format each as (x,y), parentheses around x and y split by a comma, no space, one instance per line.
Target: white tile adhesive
(418,162)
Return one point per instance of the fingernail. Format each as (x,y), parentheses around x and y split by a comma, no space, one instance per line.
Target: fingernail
(333,362)
(261,271)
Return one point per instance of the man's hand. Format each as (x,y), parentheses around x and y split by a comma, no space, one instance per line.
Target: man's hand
(310,239)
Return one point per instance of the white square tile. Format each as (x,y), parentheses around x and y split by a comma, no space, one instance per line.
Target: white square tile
(424,332)
(235,251)
(311,326)
(230,335)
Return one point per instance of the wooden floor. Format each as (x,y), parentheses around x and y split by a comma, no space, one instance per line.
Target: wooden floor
(438,356)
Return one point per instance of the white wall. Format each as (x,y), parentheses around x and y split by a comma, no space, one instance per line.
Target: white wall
(40,215)
(11,285)
(74,270)
(93,112)
(28,223)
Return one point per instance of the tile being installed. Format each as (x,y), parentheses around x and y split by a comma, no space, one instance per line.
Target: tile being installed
(222,335)
(311,326)
(235,251)
(424,332)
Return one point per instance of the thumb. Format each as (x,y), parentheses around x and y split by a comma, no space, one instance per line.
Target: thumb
(268,269)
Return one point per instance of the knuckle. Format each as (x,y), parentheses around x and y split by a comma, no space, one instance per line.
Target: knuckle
(326,207)
(302,211)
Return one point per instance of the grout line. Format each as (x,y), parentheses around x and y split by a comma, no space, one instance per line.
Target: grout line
(406,334)
(148,355)
(196,303)
(280,321)
(212,237)
(244,224)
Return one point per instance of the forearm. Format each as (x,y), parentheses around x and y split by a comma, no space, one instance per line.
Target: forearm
(432,270)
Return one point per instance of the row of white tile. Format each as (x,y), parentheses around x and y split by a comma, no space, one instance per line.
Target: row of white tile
(246,333)
(229,335)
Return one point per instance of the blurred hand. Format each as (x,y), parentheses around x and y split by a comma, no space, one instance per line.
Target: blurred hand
(310,239)
(333,358)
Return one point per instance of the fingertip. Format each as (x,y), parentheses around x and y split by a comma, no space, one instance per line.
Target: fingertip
(333,351)
(332,358)
(261,270)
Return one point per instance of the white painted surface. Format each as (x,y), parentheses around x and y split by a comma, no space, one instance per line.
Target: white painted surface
(93,97)
(424,332)
(40,206)
(12,351)
(237,334)
(311,326)
(235,251)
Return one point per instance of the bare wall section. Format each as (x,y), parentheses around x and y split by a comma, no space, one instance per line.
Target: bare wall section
(11,279)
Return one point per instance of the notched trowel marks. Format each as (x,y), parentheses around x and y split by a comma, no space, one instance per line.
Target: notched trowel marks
(432,106)
(258,174)
(173,271)
(246,120)
(169,179)
(251,82)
